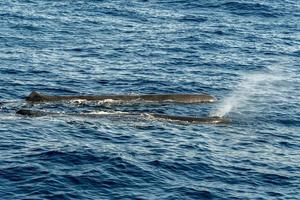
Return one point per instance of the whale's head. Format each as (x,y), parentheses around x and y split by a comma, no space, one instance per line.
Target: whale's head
(30,113)
(34,97)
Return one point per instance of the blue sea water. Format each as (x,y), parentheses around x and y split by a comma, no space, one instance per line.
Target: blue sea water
(246,53)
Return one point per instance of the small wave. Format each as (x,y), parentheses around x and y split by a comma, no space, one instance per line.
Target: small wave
(193,19)
(28,27)
(250,9)
(7,117)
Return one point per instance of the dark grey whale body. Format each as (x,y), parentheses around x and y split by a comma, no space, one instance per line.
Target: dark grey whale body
(171,118)
(192,120)
(36,97)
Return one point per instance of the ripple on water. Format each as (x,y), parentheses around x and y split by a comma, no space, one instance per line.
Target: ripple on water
(244,53)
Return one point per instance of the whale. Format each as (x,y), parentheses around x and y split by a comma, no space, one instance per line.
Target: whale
(151,116)
(40,113)
(36,97)
(191,120)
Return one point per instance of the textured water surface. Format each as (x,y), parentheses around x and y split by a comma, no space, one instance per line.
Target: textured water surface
(246,53)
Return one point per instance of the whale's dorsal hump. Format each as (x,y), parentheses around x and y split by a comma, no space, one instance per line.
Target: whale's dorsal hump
(34,96)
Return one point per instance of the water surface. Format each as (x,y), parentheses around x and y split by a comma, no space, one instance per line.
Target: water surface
(245,53)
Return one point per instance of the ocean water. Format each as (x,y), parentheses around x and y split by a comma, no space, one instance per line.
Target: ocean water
(246,53)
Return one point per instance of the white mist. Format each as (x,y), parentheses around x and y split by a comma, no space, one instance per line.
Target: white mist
(250,86)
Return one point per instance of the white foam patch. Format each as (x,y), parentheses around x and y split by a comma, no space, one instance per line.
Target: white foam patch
(8,117)
(106,113)
(110,101)
(84,101)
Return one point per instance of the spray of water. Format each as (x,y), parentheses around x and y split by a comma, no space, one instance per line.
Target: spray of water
(250,86)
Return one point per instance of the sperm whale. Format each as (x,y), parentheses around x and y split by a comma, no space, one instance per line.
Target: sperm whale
(170,118)
(192,120)
(36,97)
